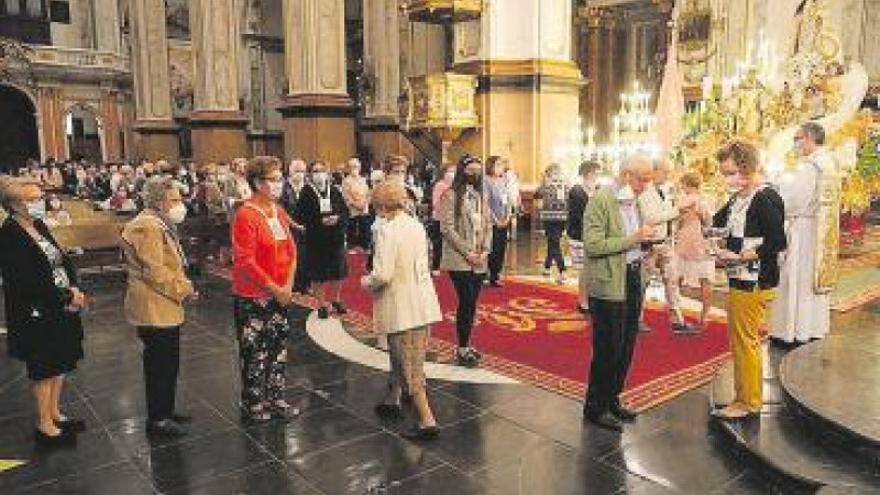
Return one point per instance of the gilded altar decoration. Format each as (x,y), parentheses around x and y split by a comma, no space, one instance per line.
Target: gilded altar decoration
(442,101)
(766,100)
(443,11)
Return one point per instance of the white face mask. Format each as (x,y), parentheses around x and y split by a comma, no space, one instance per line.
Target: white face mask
(37,209)
(319,178)
(298,177)
(177,214)
(276,189)
(55,204)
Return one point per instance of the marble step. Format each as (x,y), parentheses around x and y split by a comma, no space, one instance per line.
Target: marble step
(834,385)
(786,450)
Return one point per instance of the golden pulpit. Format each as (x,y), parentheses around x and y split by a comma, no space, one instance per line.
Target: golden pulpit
(443,11)
(444,104)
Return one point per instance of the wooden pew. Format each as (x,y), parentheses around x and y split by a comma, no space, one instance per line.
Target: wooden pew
(94,245)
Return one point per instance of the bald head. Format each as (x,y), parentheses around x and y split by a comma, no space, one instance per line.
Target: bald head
(637,171)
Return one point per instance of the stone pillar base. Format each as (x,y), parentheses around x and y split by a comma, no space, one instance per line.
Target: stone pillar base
(319,127)
(157,140)
(269,143)
(218,136)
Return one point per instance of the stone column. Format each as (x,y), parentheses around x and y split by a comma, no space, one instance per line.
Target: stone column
(610,94)
(51,122)
(529,85)
(110,118)
(218,125)
(155,128)
(107,25)
(632,39)
(594,85)
(318,113)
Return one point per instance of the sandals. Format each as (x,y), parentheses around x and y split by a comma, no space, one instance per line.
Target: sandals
(280,409)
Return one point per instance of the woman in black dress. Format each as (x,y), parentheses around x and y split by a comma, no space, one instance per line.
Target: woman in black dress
(321,209)
(42,305)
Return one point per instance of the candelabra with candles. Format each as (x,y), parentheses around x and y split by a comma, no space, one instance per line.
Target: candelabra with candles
(633,131)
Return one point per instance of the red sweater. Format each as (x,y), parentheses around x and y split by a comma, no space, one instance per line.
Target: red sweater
(258,257)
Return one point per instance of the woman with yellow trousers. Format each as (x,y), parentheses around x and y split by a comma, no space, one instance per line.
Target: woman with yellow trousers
(753,223)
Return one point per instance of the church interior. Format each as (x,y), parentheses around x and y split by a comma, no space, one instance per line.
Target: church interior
(564,94)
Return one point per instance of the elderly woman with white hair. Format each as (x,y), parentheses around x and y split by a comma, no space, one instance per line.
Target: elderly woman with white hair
(157,289)
(405,303)
(43,305)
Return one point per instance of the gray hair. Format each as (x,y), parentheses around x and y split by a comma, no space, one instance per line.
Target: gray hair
(815,131)
(636,163)
(156,191)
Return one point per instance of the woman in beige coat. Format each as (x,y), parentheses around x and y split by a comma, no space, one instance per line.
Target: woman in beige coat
(157,289)
(405,303)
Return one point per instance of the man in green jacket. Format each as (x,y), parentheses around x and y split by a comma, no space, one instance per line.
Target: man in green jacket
(613,235)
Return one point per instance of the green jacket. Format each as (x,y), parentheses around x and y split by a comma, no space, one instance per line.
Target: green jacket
(605,247)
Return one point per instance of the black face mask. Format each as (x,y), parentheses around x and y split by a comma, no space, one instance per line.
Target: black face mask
(473,180)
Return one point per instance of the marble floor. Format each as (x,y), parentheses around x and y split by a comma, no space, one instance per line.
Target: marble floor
(503,439)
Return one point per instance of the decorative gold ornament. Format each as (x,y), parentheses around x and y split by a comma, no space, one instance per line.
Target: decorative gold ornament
(443,11)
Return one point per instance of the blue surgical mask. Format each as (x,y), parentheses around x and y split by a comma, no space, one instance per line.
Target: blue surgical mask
(37,209)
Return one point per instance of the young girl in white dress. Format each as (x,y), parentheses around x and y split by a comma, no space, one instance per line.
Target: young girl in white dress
(696,267)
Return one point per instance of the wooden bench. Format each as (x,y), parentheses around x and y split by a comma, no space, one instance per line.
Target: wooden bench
(93,245)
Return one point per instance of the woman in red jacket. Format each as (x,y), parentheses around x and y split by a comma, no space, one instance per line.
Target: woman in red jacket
(262,279)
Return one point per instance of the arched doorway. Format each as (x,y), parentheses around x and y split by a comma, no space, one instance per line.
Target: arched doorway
(83,131)
(20,140)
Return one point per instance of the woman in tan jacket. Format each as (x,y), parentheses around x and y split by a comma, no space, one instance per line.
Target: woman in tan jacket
(157,289)
(405,303)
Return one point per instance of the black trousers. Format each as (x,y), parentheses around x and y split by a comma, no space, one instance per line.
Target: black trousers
(615,329)
(358,231)
(554,229)
(499,248)
(161,365)
(300,281)
(436,238)
(467,287)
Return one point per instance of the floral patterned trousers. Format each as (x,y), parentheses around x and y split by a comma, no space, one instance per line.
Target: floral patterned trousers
(262,328)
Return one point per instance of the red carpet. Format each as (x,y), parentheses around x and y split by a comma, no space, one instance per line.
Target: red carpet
(532,332)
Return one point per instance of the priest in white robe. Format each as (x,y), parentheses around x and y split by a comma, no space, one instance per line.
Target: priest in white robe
(800,314)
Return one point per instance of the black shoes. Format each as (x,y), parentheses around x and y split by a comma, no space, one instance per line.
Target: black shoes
(339,308)
(45,441)
(684,328)
(606,420)
(71,425)
(166,428)
(495,283)
(388,411)
(623,414)
(420,434)
(181,418)
(469,358)
(323,313)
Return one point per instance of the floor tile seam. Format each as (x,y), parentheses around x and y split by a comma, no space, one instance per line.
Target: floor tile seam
(328,448)
(648,434)
(187,440)
(47,482)
(123,455)
(11,382)
(720,490)
(627,472)
(263,448)
(280,463)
